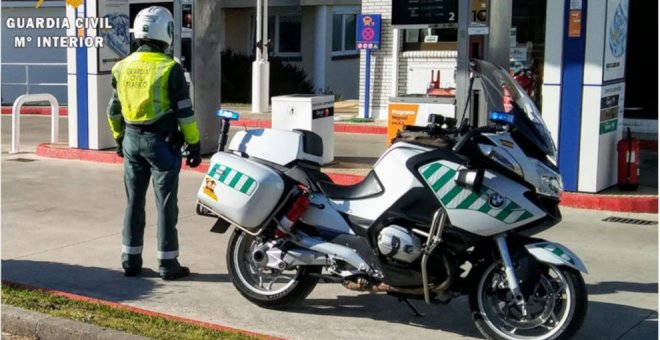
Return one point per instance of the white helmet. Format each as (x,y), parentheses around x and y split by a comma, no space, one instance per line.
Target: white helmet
(154,23)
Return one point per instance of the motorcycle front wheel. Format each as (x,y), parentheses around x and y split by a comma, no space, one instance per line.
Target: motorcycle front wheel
(555,309)
(263,286)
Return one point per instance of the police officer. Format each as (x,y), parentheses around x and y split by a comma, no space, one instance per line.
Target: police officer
(151,116)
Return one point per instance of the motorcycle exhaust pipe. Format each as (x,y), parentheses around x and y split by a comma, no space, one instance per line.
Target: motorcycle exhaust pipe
(259,257)
(364,285)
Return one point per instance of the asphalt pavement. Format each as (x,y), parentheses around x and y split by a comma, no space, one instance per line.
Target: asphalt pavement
(61,230)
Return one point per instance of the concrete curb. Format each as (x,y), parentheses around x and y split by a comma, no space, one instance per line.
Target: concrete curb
(30,323)
(18,321)
(620,203)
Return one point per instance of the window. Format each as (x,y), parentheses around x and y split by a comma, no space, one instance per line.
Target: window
(343,34)
(287,35)
(284,35)
(430,39)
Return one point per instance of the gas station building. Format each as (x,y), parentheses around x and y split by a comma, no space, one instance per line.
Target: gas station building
(591,61)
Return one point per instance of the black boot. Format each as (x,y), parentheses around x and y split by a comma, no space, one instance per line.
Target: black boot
(172,270)
(132,264)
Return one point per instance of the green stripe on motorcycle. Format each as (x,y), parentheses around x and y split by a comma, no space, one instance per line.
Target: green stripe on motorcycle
(468,201)
(451,195)
(235,180)
(224,175)
(428,172)
(246,186)
(443,180)
(524,216)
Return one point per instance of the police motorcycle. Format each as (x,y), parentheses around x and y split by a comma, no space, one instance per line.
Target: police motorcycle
(446,211)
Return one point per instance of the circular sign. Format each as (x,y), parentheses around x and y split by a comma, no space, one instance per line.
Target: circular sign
(368,33)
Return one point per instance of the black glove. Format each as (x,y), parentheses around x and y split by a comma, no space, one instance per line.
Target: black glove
(194,159)
(120,149)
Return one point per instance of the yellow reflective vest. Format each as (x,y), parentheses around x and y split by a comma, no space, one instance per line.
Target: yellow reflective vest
(142,88)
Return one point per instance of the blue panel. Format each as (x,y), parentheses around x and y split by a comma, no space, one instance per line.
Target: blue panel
(570,118)
(368,32)
(82,93)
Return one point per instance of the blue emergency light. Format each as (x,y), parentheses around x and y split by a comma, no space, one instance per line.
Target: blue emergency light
(227,114)
(501,117)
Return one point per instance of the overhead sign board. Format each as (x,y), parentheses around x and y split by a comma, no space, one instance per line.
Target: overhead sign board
(368,32)
(424,13)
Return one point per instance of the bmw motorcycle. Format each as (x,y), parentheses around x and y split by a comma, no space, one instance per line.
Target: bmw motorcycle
(446,211)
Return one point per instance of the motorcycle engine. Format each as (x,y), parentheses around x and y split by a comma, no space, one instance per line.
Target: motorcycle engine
(398,243)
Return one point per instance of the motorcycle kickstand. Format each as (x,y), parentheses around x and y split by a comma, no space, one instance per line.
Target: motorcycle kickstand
(417,313)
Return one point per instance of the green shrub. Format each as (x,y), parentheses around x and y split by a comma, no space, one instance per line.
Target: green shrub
(237,78)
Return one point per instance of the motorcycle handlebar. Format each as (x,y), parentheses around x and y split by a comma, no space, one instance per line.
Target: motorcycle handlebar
(458,148)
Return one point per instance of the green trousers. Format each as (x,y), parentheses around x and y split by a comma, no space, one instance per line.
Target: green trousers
(147,155)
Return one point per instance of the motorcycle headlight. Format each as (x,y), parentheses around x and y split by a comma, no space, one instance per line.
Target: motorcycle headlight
(501,157)
(550,181)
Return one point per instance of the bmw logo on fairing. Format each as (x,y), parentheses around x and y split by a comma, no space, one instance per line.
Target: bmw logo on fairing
(496,200)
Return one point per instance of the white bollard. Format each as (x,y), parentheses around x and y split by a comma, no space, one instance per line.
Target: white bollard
(16,117)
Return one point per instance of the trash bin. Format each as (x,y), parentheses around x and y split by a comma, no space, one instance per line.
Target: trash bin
(307,112)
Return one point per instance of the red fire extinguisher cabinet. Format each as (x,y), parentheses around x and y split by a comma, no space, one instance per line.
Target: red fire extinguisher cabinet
(628,162)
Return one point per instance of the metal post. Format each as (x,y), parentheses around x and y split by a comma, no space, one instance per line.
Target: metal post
(206,73)
(462,60)
(367,82)
(499,20)
(259,39)
(260,66)
(396,45)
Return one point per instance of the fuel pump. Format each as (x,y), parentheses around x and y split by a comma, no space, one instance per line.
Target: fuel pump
(484,39)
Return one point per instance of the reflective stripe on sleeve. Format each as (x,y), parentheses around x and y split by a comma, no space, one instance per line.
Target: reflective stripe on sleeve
(184,104)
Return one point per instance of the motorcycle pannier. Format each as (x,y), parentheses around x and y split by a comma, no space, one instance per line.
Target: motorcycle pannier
(239,190)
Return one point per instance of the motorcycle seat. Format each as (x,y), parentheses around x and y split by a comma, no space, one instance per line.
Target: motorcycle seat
(369,186)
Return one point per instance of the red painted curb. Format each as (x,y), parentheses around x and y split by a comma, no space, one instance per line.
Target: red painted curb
(138,310)
(36,110)
(339,127)
(639,204)
(622,203)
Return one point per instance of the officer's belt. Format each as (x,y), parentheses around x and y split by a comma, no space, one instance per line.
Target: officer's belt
(146,128)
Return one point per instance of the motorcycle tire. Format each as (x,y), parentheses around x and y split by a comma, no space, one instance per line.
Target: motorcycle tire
(559,293)
(249,280)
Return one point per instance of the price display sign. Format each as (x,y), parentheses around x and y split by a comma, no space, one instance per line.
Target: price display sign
(424,13)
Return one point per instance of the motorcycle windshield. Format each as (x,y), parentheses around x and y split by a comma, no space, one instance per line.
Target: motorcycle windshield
(504,94)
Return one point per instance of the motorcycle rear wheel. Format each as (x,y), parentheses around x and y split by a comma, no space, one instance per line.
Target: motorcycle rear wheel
(556,308)
(268,288)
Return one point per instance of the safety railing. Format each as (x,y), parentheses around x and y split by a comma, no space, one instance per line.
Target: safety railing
(16,117)
(27,83)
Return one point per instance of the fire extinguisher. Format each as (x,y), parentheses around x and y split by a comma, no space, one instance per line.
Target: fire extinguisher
(628,162)
(298,207)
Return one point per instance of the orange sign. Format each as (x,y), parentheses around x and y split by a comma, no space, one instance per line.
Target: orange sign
(399,115)
(574,23)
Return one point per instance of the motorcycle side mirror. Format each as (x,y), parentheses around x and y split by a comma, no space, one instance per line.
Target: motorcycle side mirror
(470,179)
